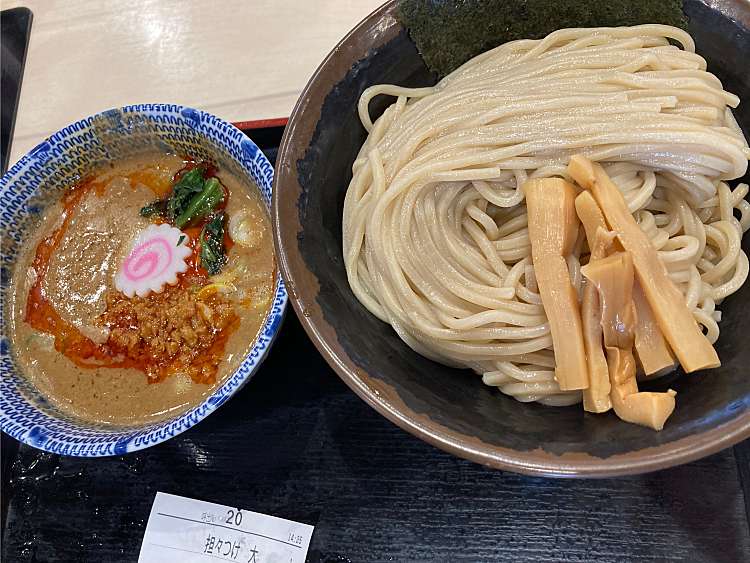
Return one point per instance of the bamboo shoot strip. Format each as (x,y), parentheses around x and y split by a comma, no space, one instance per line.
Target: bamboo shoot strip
(596,396)
(553,229)
(651,348)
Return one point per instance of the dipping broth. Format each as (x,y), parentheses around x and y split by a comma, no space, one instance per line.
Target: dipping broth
(86,329)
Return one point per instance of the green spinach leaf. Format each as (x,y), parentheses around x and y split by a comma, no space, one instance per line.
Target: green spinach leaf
(213,254)
(190,184)
(156,208)
(202,204)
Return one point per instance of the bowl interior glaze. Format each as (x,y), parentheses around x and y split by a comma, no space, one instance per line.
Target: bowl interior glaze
(451,408)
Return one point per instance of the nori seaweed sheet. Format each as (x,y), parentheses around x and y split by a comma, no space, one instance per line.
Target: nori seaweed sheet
(450,32)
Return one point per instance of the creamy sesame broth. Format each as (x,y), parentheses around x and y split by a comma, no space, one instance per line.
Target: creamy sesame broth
(117,314)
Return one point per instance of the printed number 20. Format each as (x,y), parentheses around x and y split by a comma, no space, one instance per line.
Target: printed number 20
(234,517)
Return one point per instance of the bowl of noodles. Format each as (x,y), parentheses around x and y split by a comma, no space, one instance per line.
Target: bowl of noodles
(520,238)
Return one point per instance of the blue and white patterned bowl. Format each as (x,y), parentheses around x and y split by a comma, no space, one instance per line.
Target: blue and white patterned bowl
(40,176)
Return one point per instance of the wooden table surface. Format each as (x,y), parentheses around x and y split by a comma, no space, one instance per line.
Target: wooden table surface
(239,59)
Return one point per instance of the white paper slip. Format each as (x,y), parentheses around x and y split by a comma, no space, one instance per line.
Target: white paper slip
(193,531)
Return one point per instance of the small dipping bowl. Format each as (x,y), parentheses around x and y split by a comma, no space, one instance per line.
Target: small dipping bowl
(38,178)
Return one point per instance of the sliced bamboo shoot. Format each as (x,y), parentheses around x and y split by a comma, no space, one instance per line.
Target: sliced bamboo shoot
(596,396)
(553,229)
(591,217)
(651,348)
(672,315)
(638,407)
(613,279)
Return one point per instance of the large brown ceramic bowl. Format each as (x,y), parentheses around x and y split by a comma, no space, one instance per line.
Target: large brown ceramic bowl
(451,408)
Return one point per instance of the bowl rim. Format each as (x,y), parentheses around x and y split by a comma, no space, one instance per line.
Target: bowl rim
(123,439)
(536,462)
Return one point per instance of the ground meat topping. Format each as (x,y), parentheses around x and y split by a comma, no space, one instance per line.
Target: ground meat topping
(170,332)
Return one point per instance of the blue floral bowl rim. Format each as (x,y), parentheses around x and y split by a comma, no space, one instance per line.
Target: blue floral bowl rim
(122,439)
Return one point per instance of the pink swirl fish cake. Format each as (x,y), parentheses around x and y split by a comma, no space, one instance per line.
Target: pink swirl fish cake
(157,255)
